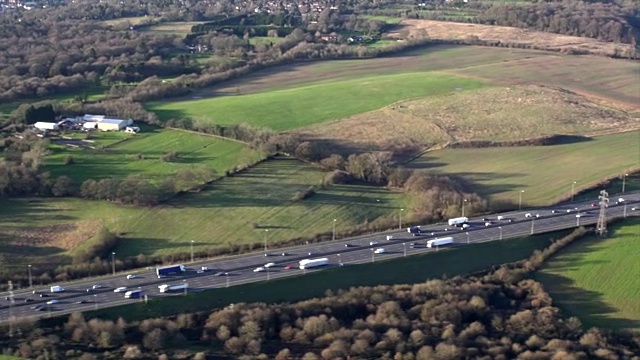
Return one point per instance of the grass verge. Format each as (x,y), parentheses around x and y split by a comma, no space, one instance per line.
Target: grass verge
(413,269)
(596,279)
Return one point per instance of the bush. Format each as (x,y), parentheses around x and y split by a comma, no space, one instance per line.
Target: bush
(305,194)
(69,160)
(170,156)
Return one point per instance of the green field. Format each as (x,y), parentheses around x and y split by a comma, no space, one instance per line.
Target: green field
(386,19)
(181,28)
(413,269)
(223,214)
(94,93)
(264,40)
(116,154)
(545,173)
(597,280)
(302,106)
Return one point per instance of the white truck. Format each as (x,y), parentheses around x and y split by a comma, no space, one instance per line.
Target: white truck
(458,221)
(57,289)
(311,263)
(168,288)
(439,242)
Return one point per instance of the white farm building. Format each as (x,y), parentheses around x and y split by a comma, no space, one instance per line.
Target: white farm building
(42,126)
(104,123)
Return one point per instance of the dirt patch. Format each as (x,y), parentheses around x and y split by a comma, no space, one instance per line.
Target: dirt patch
(493,114)
(445,30)
(62,236)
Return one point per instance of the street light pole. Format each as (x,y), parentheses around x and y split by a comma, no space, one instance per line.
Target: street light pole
(265,240)
(191,250)
(334,229)
(573,184)
(30,279)
(520,200)
(624,178)
(226,275)
(373,256)
(268,274)
(400,219)
(625,210)
(578,220)
(405,249)
(500,228)
(463,203)
(339,260)
(467,238)
(113,262)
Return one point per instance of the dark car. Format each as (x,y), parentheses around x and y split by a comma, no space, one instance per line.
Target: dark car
(81,302)
(28,300)
(44,295)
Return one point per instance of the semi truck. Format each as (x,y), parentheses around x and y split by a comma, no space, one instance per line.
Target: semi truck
(169,288)
(459,221)
(133,294)
(170,270)
(311,263)
(57,289)
(439,242)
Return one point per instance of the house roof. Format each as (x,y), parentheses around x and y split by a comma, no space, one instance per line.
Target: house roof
(112,121)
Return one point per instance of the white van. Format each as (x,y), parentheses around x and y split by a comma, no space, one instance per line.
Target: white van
(57,289)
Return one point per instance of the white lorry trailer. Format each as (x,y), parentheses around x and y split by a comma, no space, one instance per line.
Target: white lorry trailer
(169,288)
(311,263)
(439,242)
(57,289)
(459,221)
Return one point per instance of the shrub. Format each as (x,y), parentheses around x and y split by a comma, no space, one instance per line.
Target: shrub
(170,156)
(69,160)
(305,194)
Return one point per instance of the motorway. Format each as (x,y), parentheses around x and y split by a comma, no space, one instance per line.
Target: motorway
(238,270)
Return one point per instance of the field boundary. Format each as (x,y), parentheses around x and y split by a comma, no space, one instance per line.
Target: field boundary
(207,134)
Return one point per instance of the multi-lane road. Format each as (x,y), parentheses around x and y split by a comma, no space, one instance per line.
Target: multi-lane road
(239,270)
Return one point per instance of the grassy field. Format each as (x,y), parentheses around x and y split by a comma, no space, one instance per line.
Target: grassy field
(386,19)
(544,172)
(495,113)
(597,280)
(312,104)
(181,28)
(265,40)
(117,153)
(225,213)
(413,269)
(93,94)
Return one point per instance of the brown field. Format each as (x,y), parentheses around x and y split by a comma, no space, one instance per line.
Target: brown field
(446,30)
(496,113)
(173,28)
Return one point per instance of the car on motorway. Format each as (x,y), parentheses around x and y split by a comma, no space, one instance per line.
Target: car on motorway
(284,254)
(37,307)
(289,267)
(500,217)
(620,200)
(95,287)
(268,265)
(537,215)
(120,289)
(44,295)
(553,211)
(205,268)
(28,300)
(199,271)
(594,204)
(414,244)
(259,269)
(380,251)
(81,302)
(54,301)
(347,245)
(527,215)
(568,210)
(373,243)
(488,223)
(221,273)
(131,276)
(634,208)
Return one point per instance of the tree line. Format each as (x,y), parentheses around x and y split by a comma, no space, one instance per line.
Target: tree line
(500,314)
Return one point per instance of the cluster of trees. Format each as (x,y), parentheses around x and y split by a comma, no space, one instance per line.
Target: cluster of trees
(502,314)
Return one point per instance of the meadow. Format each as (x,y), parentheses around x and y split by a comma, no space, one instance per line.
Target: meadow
(235,210)
(597,279)
(545,173)
(412,269)
(181,28)
(119,155)
(306,105)
(490,114)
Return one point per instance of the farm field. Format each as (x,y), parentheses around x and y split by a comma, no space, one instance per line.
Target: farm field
(306,105)
(612,82)
(491,114)
(181,28)
(409,270)
(447,30)
(545,173)
(264,40)
(225,213)
(596,279)
(120,155)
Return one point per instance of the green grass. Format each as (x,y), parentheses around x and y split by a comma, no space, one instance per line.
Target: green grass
(545,173)
(264,40)
(597,279)
(181,28)
(381,43)
(413,269)
(222,214)
(92,93)
(302,106)
(6,357)
(386,19)
(117,158)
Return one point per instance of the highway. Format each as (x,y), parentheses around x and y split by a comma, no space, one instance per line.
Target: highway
(239,269)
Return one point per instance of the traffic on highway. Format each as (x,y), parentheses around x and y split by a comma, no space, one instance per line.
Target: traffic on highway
(178,279)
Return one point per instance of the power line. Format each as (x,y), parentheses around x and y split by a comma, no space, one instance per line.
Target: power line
(601,226)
